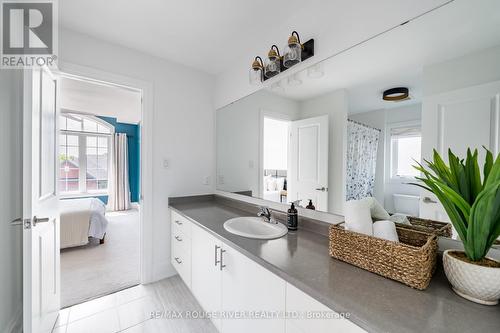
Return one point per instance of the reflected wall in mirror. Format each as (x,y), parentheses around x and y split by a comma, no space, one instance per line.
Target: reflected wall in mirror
(331,137)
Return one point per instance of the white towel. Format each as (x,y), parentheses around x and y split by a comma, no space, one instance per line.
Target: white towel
(386,230)
(358,217)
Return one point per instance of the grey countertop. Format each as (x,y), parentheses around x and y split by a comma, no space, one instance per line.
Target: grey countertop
(374,303)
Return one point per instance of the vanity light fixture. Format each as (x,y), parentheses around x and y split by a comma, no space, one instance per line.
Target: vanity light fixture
(293,50)
(396,94)
(273,62)
(256,74)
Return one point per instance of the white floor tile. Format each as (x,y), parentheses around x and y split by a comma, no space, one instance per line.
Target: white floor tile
(92,307)
(102,322)
(137,311)
(133,293)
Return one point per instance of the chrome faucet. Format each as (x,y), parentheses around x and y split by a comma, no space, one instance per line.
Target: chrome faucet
(265,213)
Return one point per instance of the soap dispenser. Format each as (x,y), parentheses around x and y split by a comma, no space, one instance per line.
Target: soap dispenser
(310,205)
(292,217)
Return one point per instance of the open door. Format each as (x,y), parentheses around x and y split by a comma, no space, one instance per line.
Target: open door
(309,162)
(41,265)
(461,119)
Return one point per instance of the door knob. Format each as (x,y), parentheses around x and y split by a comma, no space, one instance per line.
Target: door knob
(428,200)
(322,189)
(37,220)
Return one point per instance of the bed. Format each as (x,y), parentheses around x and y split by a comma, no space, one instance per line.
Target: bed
(80,219)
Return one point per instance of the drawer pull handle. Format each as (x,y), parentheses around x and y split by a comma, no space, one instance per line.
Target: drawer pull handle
(178,222)
(178,238)
(215,255)
(221,264)
(178,260)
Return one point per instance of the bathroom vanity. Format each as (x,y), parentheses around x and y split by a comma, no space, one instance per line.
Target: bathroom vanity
(295,274)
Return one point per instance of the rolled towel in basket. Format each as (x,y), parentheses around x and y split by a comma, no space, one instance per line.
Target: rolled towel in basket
(386,230)
(357,217)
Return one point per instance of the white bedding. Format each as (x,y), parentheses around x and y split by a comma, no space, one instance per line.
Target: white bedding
(81,219)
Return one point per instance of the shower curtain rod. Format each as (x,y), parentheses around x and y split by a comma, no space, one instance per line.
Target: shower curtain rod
(361,124)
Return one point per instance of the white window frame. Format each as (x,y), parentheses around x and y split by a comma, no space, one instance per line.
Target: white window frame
(390,158)
(82,155)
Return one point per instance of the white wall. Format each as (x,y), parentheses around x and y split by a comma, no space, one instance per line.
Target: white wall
(381,119)
(10,201)
(335,105)
(333,31)
(183,130)
(238,138)
(472,69)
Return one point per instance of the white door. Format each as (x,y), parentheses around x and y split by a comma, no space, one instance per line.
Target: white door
(41,266)
(308,177)
(460,119)
(248,287)
(206,275)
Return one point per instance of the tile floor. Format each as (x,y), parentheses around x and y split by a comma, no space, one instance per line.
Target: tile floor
(130,311)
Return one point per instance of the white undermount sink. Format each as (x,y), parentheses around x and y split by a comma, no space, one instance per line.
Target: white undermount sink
(255,227)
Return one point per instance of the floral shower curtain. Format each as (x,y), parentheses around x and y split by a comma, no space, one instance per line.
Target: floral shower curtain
(362,144)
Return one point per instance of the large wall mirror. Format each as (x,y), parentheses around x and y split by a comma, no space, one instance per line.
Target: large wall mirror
(325,135)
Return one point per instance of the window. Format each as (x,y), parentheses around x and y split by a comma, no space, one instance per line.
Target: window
(83,154)
(405,150)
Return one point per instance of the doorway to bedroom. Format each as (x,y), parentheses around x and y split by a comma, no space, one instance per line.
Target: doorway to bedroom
(99,185)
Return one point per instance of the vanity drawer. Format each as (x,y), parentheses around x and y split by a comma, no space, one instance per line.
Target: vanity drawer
(181,256)
(180,225)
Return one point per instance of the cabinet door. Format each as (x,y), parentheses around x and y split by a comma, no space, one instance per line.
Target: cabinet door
(308,315)
(206,275)
(249,287)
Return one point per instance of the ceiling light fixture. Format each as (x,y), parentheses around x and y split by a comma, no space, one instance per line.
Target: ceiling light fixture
(256,74)
(396,94)
(295,52)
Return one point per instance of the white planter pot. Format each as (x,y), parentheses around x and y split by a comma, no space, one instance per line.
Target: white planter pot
(476,283)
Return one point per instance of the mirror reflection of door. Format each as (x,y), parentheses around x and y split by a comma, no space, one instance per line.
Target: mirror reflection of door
(275,159)
(308,169)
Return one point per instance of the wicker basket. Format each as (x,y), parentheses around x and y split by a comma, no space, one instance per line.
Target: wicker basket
(442,229)
(411,261)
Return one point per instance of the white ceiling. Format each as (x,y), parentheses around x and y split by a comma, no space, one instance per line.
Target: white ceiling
(101,100)
(211,34)
(398,57)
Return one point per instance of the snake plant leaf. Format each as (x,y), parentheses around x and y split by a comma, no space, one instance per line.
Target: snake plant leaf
(483,216)
(473,174)
(488,164)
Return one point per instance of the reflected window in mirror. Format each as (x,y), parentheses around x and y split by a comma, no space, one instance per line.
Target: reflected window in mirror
(405,150)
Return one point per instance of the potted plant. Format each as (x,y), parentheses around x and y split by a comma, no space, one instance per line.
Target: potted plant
(472,202)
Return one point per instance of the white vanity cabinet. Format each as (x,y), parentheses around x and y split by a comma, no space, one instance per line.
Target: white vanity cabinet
(249,287)
(226,282)
(309,315)
(180,240)
(206,284)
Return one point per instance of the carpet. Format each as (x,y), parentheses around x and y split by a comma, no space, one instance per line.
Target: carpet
(95,269)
